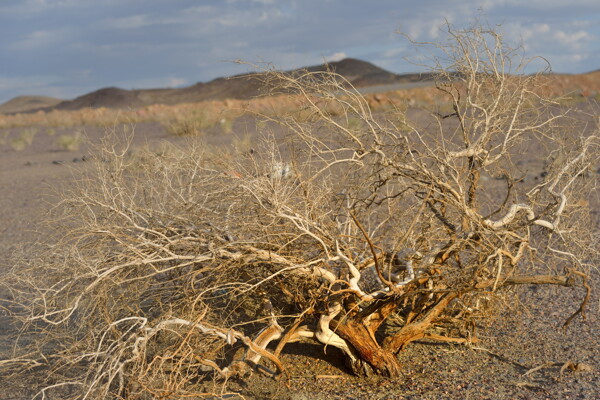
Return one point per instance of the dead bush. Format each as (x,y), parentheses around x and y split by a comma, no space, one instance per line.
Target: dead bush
(172,261)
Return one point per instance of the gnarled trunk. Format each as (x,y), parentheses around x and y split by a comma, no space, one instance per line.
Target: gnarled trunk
(371,356)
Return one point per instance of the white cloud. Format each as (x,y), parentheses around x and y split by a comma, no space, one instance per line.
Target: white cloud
(42,85)
(340,55)
(536,29)
(530,36)
(39,39)
(264,2)
(545,35)
(392,53)
(566,44)
(175,82)
(437,23)
(547,4)
(37,7)
(131,22)
(248,18)
(574,39)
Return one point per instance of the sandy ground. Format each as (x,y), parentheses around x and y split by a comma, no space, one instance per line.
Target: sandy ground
(493,369)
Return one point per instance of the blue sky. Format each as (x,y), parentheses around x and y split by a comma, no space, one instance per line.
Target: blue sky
(66,48)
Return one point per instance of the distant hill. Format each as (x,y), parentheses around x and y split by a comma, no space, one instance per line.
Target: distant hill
(111,97)
(364,74)
(28,103)
(361,74)
(358,73)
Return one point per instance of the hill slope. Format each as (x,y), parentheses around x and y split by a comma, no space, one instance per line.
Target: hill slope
(28,103)
(358,73)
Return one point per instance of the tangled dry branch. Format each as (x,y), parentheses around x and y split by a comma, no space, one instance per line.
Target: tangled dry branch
(172,261)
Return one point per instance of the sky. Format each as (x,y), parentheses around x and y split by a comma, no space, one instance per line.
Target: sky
(66,48)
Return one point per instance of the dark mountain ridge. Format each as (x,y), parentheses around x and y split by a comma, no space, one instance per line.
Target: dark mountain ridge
(244,86)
